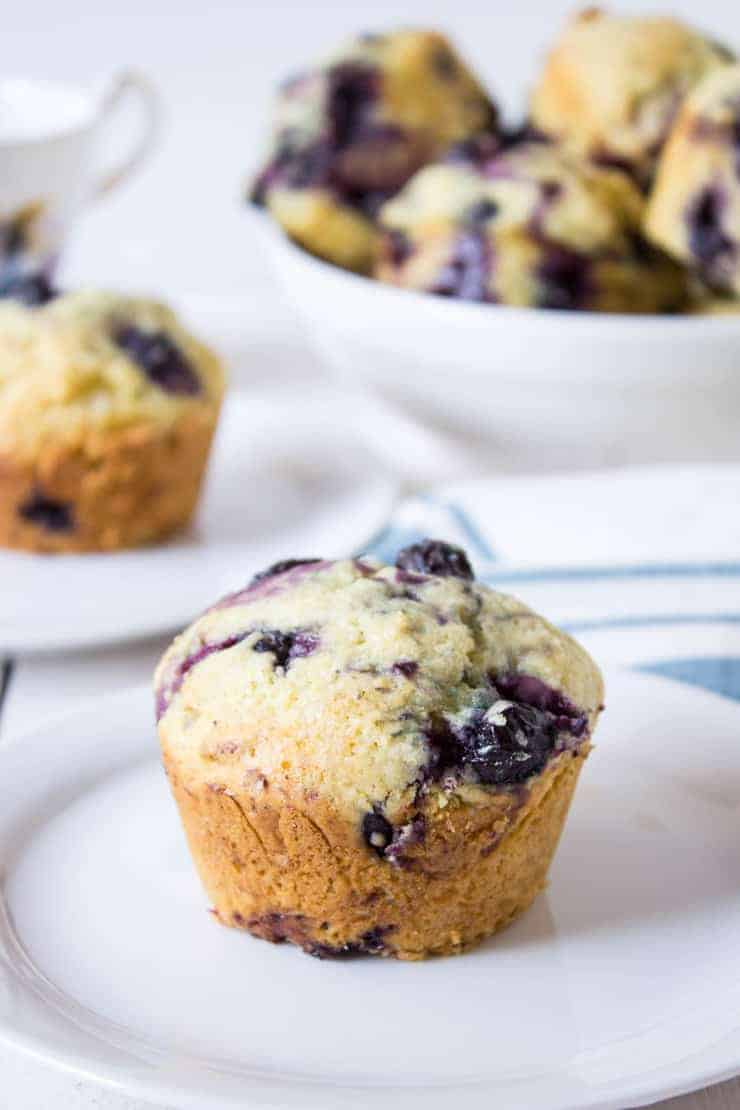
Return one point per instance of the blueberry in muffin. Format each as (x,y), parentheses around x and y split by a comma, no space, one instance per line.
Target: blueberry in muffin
(612,85)
(694,207)
(107,411)
(374,759)
(349,133)
(527,225)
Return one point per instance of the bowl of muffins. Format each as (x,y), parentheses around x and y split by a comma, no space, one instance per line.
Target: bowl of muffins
(567,287)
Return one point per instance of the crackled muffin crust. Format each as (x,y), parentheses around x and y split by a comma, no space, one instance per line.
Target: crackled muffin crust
(349,133)
(373,758)
(529,225)
(107,409)
(694,208)
(611,85)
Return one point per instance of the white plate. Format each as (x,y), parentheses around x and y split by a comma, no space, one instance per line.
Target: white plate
(620,986)
(286,480)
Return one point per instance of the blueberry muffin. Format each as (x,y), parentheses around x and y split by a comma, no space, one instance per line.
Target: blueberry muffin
(694,208)
(107,410)
(530,226)
(350,132)
(612,85)
(374,759)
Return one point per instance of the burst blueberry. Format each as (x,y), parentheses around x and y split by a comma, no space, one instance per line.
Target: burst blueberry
(47,513)
(371,943)
(398,246)
(407,668)
(161,360)
(377,831)
(564,278)
(435,557)
(534,692)
(481,212)
(509,733)
(285,647)
(32,290)
(709,243)
(353,90)
(466,273)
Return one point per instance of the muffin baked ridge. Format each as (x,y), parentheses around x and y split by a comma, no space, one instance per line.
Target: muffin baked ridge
(374,759)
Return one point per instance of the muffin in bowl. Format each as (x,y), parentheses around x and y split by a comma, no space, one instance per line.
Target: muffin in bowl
(374,759)
(107,411)
(694,207)
(529,226)
(349,133)
(612,85)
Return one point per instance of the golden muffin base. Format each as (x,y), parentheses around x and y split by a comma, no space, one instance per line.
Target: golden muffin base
(294,870)
(124,487)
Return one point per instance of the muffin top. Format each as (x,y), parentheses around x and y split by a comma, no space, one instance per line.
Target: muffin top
(694,207)
(612,84)
(362,120)
(373,685)
(534,186)
(527,226)
(88,362)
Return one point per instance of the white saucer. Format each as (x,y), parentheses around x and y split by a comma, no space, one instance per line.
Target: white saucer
(286,480)
(620,986)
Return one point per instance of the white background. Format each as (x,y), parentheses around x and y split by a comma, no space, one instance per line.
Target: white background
(178,228)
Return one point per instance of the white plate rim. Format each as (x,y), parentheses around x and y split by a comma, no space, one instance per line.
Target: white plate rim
(36,638)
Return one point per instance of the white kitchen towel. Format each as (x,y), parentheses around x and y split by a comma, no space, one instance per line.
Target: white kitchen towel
(643,564)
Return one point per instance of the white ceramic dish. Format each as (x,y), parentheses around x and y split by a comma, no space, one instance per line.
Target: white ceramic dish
(540,387)
(274,490)
(111,967)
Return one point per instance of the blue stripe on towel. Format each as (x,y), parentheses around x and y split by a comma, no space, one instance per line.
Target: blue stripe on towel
(386,544)
(470,530)
(647,619)
(720,675)
(638,570)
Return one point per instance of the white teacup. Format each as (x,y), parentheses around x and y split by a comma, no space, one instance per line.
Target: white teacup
(49,132)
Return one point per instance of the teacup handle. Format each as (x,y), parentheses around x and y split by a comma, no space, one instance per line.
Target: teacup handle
(130,83)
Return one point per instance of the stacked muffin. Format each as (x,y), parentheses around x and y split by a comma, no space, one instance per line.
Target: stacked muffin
(620,193)
(528,225)
(107,411)
(351,131)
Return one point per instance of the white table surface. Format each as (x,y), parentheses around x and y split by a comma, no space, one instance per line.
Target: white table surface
(177,229)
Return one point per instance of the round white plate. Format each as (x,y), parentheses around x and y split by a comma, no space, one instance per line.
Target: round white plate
(286,480)
(621,984)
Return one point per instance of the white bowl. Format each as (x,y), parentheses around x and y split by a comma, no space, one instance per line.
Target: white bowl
(535,387)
